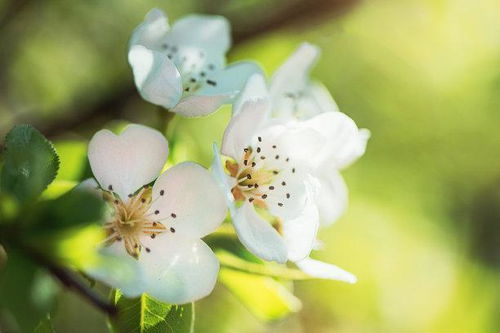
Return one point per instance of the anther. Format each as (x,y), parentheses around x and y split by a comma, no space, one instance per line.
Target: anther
(172,230)
(110,187)
(253,164)
(264,196)
(143,200)
(249,176)
(274,146)
(245,162)
(148,250)
(162,192)
(277,157)
(153,236)
(271,187)
(280,204)
(260,139)
(250,199)
(157,212)
(212,83)
(283,183)
(258,149)
(173,215)
(288,195)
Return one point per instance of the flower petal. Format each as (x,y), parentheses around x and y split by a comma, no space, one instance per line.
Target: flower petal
(323,270)
(230,80)
(187,198)
(255,88)
(258,236)
(332,198)
(118,270)
(123,163)
(222,179)
(300,232)
(151,31)
(208,32)
(344,143)
(197,105)
(179,270)
(156,77)
(292,76)
(243,126)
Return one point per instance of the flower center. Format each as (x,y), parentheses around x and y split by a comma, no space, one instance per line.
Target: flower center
(262,176)
(130,221)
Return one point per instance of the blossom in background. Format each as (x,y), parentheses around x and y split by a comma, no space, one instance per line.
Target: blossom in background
(183,68)
(269,188)
(155,228)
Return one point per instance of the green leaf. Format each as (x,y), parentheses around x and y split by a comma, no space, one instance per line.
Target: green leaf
(30,163)
(265,297)
(76,208)
(147,315)
(26,291)
(45,326)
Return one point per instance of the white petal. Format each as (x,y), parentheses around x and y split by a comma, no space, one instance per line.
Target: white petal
(323,270)
(332,198)
(258,236)
(344,143)
(152,31)
(243,126)
(223,180)
(292,76)
(118,270)
(197,105)
(230,80)
(255,88)
(127,161)
(322,97)
(179,270)
(187,198)
(209,32)
(156,77)
(300,232)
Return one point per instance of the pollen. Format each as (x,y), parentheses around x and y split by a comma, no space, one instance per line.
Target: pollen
(131,221)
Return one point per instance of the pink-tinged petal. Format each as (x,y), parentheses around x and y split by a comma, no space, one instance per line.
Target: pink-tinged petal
(187,198)
(322,270)
(292,76)
(123,163)
(243,126)
(332,198)
(258,236)
(179,270)
(156,77)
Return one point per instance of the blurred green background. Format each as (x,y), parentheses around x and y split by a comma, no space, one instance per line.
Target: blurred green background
(422,232)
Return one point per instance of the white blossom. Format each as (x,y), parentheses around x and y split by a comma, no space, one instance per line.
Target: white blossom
(156,221)
(182,68)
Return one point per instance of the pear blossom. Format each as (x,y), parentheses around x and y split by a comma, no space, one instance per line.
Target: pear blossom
(182,68)
(156,220)
(269,189)
(300,103)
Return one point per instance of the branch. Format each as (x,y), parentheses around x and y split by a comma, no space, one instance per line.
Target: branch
(70,281)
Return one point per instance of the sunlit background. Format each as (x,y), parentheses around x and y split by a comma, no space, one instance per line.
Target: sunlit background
(422,232)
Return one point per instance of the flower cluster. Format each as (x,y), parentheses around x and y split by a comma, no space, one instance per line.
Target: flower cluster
(278,171)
